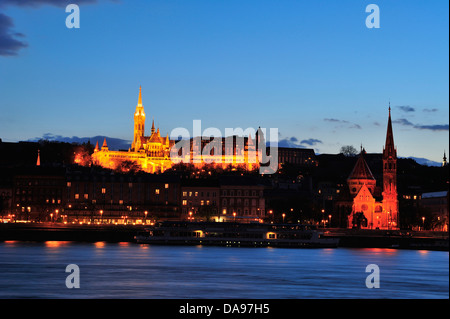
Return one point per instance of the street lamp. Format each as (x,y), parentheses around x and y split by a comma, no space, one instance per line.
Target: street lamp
(423,223)
(234,216)
(323,219)
(101,216)
(284,215)
(145,213)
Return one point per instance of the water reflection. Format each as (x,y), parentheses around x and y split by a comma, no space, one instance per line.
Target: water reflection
(127,270)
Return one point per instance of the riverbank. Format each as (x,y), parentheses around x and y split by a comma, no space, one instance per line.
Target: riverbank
(68,232)
(350,238)
(364,238)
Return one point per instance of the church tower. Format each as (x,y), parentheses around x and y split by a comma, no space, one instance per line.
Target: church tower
(390,201)
(139,124)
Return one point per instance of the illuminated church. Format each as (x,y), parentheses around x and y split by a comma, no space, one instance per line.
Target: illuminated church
(367,212)
(152,153)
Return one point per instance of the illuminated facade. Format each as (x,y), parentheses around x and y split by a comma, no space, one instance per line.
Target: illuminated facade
(152,153)
(367,212)
(149,153)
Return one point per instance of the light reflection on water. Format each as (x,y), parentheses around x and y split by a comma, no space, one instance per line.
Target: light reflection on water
(128,270)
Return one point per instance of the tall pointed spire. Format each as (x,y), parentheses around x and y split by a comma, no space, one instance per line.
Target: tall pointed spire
(153,126)
(38,162)
(140,97)
(139,123)
(105,145)
(389,147)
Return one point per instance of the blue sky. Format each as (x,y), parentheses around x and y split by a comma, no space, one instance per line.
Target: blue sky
(312,69)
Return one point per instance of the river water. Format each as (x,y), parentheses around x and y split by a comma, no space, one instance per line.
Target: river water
(129,270)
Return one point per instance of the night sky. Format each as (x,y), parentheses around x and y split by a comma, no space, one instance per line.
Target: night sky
(312,69)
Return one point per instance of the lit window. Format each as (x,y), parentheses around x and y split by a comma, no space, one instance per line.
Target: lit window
(202,202)
(157,191)
(77,196)
(121,202)
(166,186)
(103,190)
(86,196)
(196,193)
(69,184)
(184,202)
(184,194)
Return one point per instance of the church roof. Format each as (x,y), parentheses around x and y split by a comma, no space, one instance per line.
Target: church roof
(156,138)
(361,169)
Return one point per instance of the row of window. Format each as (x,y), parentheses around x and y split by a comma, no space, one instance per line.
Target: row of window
(196,194)
(130,185)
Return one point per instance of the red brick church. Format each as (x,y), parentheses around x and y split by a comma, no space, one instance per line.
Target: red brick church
(367,212)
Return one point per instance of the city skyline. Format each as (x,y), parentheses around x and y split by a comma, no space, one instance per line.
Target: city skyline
(312,70)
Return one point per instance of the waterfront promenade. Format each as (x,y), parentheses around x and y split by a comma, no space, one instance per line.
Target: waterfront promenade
(125,233)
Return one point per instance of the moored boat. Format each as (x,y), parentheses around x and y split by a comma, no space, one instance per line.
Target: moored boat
(236,234)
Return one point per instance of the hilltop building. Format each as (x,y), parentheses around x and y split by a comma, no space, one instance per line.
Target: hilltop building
(152,153)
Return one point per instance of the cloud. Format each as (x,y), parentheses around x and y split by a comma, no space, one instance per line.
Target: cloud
(311,141)
(293,142)
(403,122)
(434,127)
(406,108)
(430,110)
(9,44)
(337,121)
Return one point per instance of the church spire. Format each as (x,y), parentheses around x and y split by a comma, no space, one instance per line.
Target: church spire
(105,145)
(153,126)
(140,97)
(444,160)
(389,147)
(38,162)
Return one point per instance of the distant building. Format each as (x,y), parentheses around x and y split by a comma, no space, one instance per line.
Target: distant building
(38,193)
(105,197)
(200,199)
(242,199)
(296,156)
(437,204)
